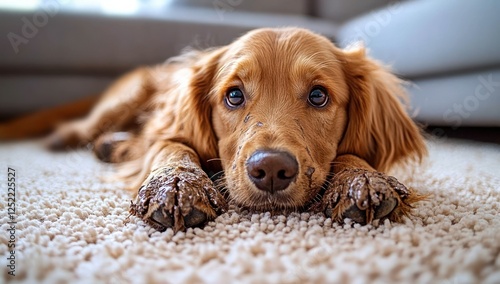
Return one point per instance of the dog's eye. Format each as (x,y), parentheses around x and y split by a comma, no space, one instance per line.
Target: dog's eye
(318,97)
(234,98)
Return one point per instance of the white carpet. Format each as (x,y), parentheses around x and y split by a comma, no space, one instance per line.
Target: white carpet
(71,229)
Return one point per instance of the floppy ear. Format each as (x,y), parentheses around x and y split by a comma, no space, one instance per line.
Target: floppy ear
(193,123)
(379,130)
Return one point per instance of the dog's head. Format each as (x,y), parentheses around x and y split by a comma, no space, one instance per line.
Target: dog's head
(278,105)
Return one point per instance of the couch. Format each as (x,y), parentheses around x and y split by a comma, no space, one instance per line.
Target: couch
(449,50)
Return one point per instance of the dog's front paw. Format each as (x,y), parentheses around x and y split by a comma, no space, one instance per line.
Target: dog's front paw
(363,196)
(178,197)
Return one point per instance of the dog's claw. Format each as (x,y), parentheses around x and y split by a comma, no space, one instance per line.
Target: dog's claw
(166,220)
(385,208)
(359,215)
(195,218)
(163,219)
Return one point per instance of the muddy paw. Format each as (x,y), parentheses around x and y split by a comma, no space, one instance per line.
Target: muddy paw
(364,196)
(178,197)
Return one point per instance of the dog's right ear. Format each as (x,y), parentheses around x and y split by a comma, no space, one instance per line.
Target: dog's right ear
(379,130)
(194,122)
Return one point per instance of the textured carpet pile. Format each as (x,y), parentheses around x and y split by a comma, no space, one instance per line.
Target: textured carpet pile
(72,228)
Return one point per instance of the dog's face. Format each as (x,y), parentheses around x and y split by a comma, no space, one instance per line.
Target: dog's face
(279,111)
(277,106)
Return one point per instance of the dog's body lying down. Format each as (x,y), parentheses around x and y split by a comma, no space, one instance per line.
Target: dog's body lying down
(294,122)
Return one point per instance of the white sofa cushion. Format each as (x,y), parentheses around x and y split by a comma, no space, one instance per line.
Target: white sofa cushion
(428,37)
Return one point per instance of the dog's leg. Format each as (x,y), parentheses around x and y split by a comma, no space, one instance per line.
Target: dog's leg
(177,193)
(118,107)
(115,147)
(359,192)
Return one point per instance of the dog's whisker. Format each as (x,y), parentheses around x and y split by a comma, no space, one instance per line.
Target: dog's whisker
(219,175)
(217,160)
(326,184)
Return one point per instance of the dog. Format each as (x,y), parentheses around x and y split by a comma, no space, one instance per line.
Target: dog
(283,119)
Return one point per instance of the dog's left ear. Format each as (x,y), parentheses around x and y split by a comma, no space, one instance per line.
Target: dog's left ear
(195,115)
(379,130)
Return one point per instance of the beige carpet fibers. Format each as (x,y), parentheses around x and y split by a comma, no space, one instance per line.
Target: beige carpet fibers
(71,229)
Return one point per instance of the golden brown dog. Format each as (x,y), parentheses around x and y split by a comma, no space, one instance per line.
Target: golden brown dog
(294,123)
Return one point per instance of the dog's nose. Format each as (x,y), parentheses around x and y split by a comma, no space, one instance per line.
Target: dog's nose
(272,171)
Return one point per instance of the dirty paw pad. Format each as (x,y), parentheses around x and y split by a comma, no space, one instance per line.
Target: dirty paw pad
(177,197)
